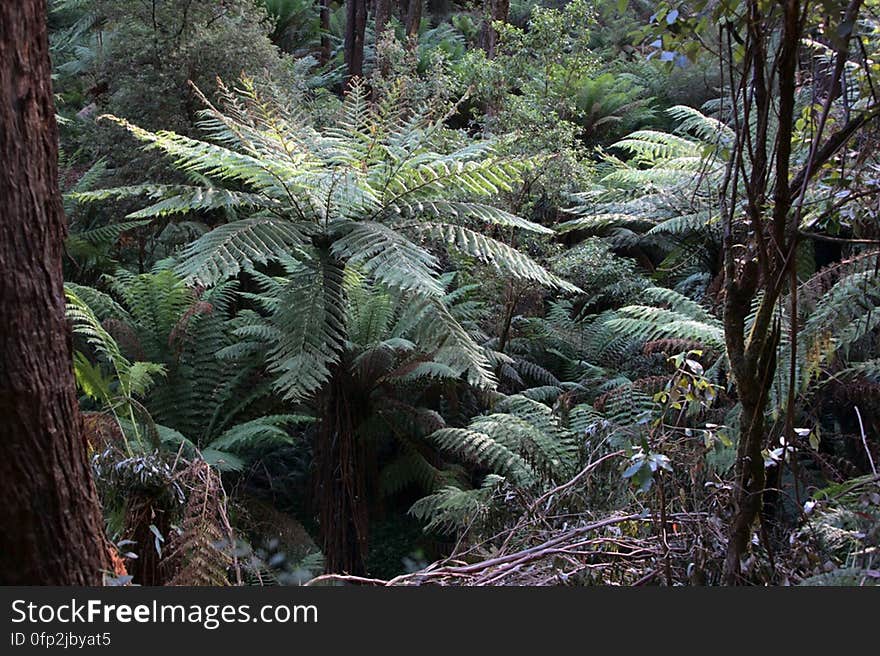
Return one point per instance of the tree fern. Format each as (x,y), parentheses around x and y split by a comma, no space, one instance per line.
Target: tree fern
(664,197)
(523,443)
(355,194)
(452,508)
(203,406)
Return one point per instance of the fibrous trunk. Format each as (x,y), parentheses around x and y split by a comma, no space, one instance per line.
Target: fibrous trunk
(340,481)
(51,529)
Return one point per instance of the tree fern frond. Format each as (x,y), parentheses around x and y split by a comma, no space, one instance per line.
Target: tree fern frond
(500,255)
(486,177)
(481,449)
(679,303)
(647,323)
(176,199)
(389,257)
(652,145)
(685,224)
(87,324)
(544,393)
(223,252)
(706,128)
(410,468)
(451,507)
(310,329)
(273,177)
(107,234)
(263,432)
(598,222)
(101,304)
(421,370)
(437,331)
(458,210)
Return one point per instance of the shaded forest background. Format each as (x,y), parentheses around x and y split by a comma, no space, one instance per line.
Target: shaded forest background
(486,293)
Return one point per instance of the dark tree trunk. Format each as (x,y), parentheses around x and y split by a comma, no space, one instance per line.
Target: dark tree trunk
(325,31)
(493,10)
(752,353)
(413,20)
(340,480)
(383,14)
(769,239)
(439,11)
(52,530)
(355,27)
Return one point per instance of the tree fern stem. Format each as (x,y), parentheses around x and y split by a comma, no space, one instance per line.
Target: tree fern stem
(340,485)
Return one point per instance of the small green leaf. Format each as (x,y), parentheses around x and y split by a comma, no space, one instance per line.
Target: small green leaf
(634,468)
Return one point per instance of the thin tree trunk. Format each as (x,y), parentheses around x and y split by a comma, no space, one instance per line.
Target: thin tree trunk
(383,15)
(413,21)
(493,10)
(52,530)
(771,253)
(355,28)
(325,30)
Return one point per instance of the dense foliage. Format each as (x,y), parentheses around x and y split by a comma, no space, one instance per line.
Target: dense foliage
(549,293)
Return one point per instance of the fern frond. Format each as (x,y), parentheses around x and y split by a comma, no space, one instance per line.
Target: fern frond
(451,507)
(177,199)
(438,332)
(481,449)
(646,323)
(652,145)
(457,210)
(107,234)
(310,327)
(263,432)
(498,254)
(274,177)
(704,127)
(223,252)
(389,257)
(486,177)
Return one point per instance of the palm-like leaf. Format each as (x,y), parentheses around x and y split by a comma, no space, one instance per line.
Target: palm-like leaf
(363,194)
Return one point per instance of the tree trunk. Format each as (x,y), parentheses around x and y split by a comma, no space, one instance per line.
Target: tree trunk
(52,530)
(493,10)
(413,21)
(340,480)
(439,11)
(383,15)
(355,27)
(770,244)
(750,476)
(325,30)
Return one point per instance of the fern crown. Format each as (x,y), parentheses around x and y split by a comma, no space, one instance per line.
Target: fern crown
(371,193)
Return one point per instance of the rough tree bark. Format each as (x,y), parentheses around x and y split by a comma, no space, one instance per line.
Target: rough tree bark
(339,484)
(52,530)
